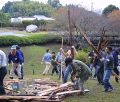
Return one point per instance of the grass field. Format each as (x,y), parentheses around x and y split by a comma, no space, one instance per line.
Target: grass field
(33,56)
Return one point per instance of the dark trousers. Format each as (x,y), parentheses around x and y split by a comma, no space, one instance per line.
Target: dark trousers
(54,69)
(117,72)
(3,72)
(100,73)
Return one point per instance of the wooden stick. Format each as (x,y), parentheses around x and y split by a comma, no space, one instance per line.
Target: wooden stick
(70,92)
(90,43)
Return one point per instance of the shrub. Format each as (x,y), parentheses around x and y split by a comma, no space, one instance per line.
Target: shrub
(26,23)
(82,56)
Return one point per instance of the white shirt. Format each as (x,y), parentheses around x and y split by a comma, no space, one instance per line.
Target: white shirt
(3,60)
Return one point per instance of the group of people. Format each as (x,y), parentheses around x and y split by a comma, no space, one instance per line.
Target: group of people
(15,60)
(64,64)
(105,65)
(59,61)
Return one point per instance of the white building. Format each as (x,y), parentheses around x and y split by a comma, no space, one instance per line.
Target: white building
(38,17)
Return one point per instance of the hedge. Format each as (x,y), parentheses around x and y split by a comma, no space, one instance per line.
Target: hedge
(29,40)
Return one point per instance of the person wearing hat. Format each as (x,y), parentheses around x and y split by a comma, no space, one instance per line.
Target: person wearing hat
(15,59)
(3,71)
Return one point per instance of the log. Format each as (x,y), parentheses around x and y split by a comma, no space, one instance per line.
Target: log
(24,98)
(68,92)
(61,87)
(71,92)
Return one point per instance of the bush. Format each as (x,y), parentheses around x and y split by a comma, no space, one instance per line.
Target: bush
(29,40)
(82,56)
(26,23)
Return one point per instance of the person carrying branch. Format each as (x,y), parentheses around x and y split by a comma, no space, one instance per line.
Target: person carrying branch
(60,59)
(68,61)
(108,69)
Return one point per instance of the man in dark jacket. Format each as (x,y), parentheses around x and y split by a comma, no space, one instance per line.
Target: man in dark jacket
(82,73)
(115,57)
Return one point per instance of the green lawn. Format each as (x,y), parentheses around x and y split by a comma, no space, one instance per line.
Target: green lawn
(33,56)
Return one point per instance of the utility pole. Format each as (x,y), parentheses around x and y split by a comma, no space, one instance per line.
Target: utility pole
(91,5)
(69,27)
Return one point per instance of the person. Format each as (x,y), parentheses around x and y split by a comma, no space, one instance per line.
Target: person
(22,56)
(54,63)
(47,59)
(60,59)
(115,57)
(3,71)
(99,67)
(80,74)
(108,69)
(96,63)
(91,57)
(68,61)
(15,59)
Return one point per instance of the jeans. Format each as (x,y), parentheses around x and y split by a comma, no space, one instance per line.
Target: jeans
(96,70)
(106,78)
(78,85)
(3,72)
(67,72)
(59,71)
(91,67)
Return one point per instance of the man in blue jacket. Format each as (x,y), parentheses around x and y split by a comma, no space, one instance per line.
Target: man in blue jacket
(22,56)
(47,59)
(15,59)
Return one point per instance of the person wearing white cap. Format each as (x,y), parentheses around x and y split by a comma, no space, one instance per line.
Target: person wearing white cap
(15,59)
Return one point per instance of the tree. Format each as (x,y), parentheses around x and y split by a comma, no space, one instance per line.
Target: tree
(82,20)
(54,3)
(4,19)
(27,8)
(109,9)
(114,22)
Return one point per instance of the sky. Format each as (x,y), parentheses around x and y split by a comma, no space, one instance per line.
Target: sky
(96,4)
